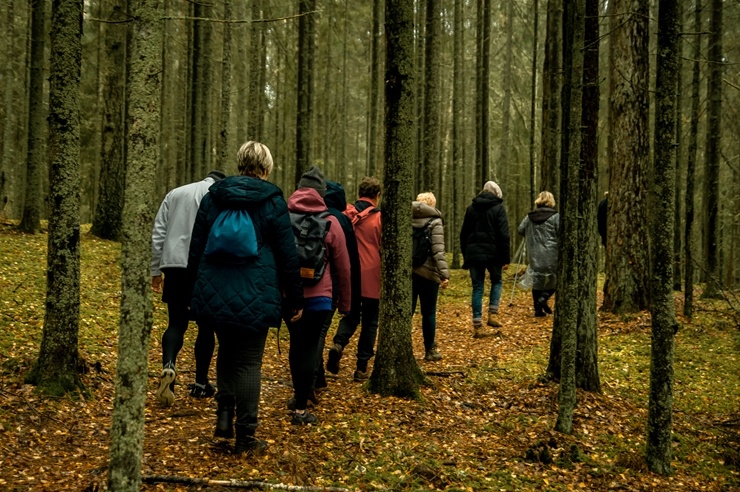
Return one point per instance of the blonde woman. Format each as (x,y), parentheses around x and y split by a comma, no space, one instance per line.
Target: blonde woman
(428,277)
(540,229)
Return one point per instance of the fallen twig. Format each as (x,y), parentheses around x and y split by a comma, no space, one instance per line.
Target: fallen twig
(443,374)
(240,484)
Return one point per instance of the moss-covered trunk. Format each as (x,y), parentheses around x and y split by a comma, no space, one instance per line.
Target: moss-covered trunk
(143,87)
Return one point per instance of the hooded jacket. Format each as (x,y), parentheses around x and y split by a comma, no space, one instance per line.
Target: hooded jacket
(245,295)
(435,267)
(308,201)
(540,229)
(336,203)
(366,223)
(484,238)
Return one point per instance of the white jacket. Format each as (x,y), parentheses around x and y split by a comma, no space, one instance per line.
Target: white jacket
(173,225)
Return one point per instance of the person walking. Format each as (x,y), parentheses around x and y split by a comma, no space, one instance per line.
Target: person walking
(318,295)
(365,217)
(336,203)
(173,226)
(242,256)
(484,241)
(433,274)
(540,230)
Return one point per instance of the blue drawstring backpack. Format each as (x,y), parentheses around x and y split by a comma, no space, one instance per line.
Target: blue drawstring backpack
(232,237)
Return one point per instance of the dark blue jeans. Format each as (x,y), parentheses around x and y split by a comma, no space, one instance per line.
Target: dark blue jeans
(426,291)
(368,315)
(478,277)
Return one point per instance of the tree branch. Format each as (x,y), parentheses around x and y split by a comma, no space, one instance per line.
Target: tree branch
(241,484)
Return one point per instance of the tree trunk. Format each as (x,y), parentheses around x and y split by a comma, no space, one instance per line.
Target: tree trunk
(107,220)
(533,101)
(254,123)
(10,120)
(552,81)
(479,177)
(375,72)
(304,123)
(627,259)
(226,152)
(660,408)
(202,69)
(430,169)
(485,118)
(711,173)
(505,126)
(679,161)
(31,220)
(458,135)
(143,90)
(567,315)
(56,369)
(395,371)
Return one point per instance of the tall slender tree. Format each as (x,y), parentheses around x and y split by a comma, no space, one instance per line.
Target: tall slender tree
(712,155)
(458,134)
(375,73)
(660,408)
(430,169)
(551,87)
(112,65)
(143,90)
(395,371)
(503,160)
(627,258)
(225,151)
(533,99)
(304,116)
(56,368)
(31,220)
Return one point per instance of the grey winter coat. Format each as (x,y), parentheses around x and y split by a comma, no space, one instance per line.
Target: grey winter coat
(540,229)
(435,268)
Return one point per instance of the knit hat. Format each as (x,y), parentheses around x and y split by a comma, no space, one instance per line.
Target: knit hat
(216,175)
(313,179)
(492,187)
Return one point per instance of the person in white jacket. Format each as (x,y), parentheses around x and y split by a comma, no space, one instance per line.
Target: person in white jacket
(173,227)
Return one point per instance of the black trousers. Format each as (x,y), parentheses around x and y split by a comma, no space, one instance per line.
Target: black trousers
(540,298)
(303,354)
(367,314)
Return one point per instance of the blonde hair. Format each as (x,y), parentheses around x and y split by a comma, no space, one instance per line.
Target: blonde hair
(254,159)
(428,198)
(545,199)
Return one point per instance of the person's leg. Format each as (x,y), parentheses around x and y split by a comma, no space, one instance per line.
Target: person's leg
(320,376)
(205,343)
(536,297)
(428,292)
(544,297)
(477,278)
(345,331)
(414,292)
(497,286)
(247,377)
(368,334)
(172,339)
(225,379)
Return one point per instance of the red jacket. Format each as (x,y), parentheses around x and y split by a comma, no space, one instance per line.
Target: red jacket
(367,231)
(308,200)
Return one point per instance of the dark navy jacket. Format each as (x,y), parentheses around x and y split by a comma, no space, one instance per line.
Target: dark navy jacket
(246,295)
(484,238)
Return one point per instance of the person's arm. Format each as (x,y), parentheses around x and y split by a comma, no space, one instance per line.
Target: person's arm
(340,266)
(198,239)
(286,256)
(159,233)
(438,248)
(523,226)
(503,246)
(465,231)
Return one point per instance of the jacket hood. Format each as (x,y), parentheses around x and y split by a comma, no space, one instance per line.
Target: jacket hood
(335,196)
(541,214)
(421,210)
(306,201)
(236,192)
(486,200)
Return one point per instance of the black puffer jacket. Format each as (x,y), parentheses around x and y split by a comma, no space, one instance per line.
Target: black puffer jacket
(484,238)
(246,295)
(336,202)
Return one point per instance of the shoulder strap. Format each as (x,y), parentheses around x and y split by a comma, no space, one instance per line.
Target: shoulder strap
(364,214)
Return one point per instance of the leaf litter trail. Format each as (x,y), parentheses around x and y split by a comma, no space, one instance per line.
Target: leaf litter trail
(483,423)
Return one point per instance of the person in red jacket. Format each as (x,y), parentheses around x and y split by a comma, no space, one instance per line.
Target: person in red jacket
(305,333)
(365,218)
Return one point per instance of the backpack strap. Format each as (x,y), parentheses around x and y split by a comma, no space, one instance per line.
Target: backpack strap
(361,216)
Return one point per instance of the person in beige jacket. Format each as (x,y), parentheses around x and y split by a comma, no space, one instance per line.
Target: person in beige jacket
(428,277)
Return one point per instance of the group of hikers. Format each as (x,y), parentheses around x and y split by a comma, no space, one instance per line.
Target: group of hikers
(231,254)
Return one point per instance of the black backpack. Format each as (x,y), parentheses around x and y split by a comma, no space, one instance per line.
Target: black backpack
(310,232)
(421,248)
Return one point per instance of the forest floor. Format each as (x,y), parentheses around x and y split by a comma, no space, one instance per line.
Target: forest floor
(485,421)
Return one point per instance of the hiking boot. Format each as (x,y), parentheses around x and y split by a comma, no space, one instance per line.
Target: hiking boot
(335,355)
(433,354)
(480,332)
(224,422)
(312,400)
(303,418)
(198,390)
(543,305)
(247,443)
(539,314)
(361,376)
(166,391)
(492,321)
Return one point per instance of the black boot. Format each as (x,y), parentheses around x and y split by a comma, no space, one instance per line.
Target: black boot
(247,443)
(224,422)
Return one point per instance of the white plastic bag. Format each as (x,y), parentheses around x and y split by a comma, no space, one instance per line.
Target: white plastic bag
(527,280)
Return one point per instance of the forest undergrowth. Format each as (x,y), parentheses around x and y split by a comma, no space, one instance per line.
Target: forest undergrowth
(484,422)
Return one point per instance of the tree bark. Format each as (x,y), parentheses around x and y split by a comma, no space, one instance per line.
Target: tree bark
(254,123)
(107,220)
(660,408)
(552,81)
(679,160)
(375,72)
(627,258)
(225,151)
(533,101)
(304,123)
(56,369)
(506,110)
(31,220)
(395,371)
(430,169)
(458,136)
(711,166)
(143,90)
